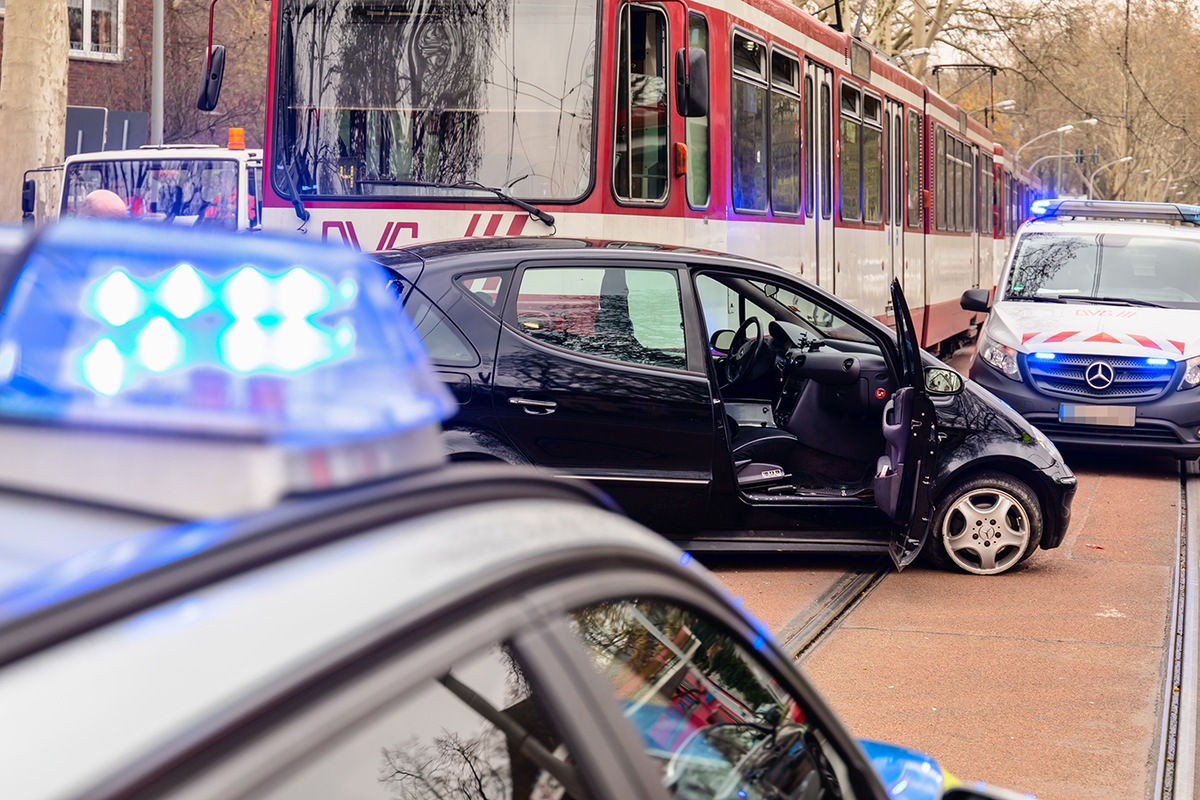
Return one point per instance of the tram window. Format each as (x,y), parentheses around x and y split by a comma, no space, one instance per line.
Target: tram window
(809,162)
(850,153)
(959,224)
(872,160)
(640,135)
(699,174)
(914,169)
(826,154)
(749,125)
(785,134)
(940,166)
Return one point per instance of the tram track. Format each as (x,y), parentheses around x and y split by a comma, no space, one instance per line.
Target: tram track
(805,631)
(1176,769)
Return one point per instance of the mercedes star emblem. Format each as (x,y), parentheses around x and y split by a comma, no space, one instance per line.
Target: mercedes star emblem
(1099,375)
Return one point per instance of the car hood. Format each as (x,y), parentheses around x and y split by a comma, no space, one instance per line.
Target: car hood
(1096,329)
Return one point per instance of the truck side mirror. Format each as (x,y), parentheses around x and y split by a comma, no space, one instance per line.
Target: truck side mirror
(28,197)
(691,82)
(210,86)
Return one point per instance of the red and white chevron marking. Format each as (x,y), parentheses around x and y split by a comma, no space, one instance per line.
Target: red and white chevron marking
(1034,340)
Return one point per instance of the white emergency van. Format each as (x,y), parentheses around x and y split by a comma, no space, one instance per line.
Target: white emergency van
(1094,332)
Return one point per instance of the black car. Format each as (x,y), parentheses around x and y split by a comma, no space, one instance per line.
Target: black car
(728,404)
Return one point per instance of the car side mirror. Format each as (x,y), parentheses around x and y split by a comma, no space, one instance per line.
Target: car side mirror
(210,86)
(28,196)
(942,381)
(722,341)
(976,300)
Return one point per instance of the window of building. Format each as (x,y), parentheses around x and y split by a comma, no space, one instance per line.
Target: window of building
(633,315)
(749,124)
(785,134)
(94,26)
(640,145)
(699,178)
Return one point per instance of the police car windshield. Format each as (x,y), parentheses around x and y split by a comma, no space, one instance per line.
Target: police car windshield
(1143,270)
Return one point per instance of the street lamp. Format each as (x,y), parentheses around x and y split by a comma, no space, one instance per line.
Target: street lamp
(1001,105)
(1092,177)
(1060,129)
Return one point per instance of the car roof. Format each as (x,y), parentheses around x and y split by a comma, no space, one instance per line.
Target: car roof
(489,250)
(283,591)
(138,572)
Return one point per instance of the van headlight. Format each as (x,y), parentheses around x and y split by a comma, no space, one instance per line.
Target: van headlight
(1001,357)
(1191,375)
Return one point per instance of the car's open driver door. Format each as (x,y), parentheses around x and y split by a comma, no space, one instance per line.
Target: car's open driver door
(903,472)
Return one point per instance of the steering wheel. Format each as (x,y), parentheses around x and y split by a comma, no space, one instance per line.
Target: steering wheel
(743,352)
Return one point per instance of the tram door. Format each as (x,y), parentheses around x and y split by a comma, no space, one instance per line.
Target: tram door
(818,173)
(893,211)
(976,227)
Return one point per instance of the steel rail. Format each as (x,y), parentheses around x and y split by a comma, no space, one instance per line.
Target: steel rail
(805,630)
(1175,773)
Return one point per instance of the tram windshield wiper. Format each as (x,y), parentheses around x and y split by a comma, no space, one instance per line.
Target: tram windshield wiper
(530,208)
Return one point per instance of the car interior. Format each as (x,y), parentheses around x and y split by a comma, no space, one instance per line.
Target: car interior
(805,392)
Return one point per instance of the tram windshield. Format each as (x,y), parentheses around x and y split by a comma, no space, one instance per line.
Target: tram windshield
(382,97)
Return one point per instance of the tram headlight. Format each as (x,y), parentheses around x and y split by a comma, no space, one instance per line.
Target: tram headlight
(1191,375)
(1001,357)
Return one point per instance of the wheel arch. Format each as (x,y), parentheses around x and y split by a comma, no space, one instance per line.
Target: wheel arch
(953,471)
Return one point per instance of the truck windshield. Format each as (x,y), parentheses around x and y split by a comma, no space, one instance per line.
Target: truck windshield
(196,191)
(1109,267)
(375,97)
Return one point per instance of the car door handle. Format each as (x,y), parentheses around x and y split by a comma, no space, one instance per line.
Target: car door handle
(534,406)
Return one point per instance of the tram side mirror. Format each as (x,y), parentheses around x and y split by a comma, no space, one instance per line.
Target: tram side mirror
(691,82)
(210,87)
(975,300)
(28,196)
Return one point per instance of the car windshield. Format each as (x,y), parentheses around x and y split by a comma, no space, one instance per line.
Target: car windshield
(1108,268)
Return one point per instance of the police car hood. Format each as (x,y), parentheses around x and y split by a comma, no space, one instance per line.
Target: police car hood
(1096,329)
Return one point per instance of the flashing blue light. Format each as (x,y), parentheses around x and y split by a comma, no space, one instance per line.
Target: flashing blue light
(1157,362)
(139,325)
(1045,356)
(1040,207)
(685,559)
(760,642)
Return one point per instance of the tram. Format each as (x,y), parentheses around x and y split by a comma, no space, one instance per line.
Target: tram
(744,126)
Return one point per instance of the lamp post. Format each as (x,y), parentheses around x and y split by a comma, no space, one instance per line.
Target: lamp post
(1001,105)
(1102,167)
(1060,129)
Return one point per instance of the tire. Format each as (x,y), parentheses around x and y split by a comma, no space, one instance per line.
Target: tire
(985,525)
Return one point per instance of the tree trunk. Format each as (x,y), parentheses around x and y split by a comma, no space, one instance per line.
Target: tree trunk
(33,100)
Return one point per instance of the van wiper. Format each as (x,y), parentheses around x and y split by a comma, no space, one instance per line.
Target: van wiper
(1037,298)
(530,208)
(1116,301)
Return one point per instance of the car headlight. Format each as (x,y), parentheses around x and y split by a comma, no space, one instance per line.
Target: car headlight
(1001,357)
(1191,375)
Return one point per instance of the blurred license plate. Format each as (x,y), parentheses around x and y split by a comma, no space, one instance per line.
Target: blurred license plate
(1124,416)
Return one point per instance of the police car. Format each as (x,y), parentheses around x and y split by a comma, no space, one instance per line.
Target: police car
(300,599)
(1094,332)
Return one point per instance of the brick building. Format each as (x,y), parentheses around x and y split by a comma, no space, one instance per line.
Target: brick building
(110,56)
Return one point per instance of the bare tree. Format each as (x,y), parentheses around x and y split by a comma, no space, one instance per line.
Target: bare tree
(33,96)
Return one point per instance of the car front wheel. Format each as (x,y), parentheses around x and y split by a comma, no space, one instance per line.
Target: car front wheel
(985,525)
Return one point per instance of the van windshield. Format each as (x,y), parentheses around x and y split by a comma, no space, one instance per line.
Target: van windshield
(1140,270)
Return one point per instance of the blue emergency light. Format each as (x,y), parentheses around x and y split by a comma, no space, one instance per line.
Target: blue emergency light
(119,324)
(1115,209)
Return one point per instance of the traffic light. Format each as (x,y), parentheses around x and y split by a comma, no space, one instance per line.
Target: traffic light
(1079,155)
(1096,156)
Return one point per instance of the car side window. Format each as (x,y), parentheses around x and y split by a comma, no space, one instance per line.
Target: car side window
(632,315)
(445,344)
(488,289)
(727,301)
(476,732)
(709,715)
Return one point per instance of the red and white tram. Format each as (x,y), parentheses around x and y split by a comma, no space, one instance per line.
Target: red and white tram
(738,125)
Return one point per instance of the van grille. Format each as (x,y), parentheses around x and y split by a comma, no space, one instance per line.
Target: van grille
(1133,380)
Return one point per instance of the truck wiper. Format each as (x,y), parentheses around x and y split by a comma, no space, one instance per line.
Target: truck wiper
(530,208)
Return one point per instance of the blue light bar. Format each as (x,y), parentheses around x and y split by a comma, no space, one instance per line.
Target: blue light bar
(1045,356)
(1115,209)
(1157,362)
(143,327)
